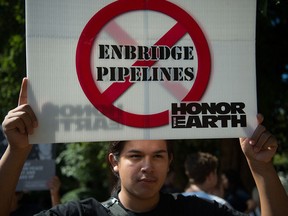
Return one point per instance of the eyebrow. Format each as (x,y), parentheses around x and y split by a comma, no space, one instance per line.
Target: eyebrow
(161,151)
(156,152)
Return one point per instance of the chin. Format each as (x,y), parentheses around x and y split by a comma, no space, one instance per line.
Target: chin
(146,193)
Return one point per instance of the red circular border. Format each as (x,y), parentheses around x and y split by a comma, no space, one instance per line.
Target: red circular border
(94,26)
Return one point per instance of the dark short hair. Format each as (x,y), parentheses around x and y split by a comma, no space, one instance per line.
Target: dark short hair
(199,165)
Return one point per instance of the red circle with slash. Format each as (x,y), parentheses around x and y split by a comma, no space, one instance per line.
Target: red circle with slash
(102,101)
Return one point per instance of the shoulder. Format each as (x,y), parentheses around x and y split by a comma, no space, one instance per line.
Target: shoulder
(184,202)
(220,200)
(187,204)
(207,196)
(87,207)
(200,194)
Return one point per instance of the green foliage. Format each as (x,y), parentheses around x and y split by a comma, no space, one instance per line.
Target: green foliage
(86,162)
(281,161)
(272,65)
(78,194)
(12,52)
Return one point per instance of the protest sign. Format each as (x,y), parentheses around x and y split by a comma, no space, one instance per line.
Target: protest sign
(141,69)
(38,169)
(36,174)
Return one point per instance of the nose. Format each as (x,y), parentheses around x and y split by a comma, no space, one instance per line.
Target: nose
(147,165)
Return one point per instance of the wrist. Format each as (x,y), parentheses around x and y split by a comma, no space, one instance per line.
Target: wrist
(261,167)
(25,150)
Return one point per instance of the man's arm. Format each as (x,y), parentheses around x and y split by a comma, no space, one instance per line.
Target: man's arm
(18,123)
(259,151)
(54,185)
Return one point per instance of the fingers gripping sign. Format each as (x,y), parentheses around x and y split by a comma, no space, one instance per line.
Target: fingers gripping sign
(261,146)
(20,121)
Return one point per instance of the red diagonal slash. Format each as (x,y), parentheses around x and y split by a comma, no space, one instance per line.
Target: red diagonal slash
(169,39)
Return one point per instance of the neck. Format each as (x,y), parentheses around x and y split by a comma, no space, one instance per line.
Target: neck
(197,187)
(136,203)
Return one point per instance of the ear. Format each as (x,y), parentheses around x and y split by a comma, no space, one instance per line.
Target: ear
(212,177)
(113,162)
(170,161)
(209,177)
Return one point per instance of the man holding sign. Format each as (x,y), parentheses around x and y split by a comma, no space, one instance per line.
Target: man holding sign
(142,167)
(106,52)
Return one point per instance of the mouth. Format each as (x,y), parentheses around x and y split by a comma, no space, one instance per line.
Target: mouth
(147,180)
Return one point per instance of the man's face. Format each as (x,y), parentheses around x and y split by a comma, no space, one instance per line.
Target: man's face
(142,167)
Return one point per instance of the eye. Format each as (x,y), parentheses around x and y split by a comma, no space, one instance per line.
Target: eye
(159,156)
(134,156)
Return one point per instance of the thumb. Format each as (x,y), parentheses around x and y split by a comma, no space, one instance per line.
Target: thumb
(23,92)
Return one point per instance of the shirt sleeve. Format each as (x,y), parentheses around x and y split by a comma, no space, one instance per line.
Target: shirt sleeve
(87,207)
(196,206)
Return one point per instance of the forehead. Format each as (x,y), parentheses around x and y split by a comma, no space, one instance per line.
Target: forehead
(148,146)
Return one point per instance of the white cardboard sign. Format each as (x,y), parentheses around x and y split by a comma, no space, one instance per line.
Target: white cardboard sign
(141,69)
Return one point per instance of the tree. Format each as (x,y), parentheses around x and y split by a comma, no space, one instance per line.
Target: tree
(12,52)
(272,69)
(85,163)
